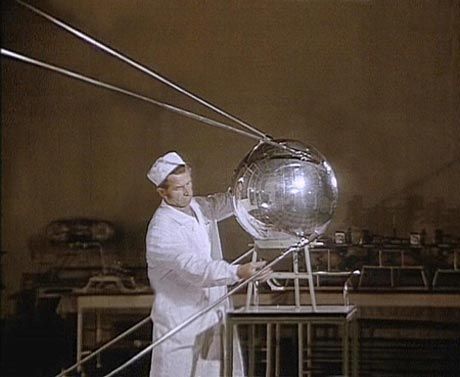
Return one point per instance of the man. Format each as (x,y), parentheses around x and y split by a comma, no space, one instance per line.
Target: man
(187,273)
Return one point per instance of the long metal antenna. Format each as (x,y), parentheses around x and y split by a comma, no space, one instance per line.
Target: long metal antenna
(129,331)
(304,155)
(174,109)
(141,67)
(114,88)
(301,244)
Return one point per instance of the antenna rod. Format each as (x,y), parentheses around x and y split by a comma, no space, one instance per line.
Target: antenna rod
(141,67)
(114,88)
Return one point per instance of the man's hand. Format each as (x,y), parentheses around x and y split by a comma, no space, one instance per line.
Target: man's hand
(245,271)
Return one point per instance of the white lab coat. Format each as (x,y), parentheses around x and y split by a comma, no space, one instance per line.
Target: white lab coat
(187,273)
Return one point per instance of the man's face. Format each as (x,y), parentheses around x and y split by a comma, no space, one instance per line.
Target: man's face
(180,190)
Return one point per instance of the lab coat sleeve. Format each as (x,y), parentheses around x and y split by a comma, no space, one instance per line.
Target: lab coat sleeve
(167,249)
(217,206)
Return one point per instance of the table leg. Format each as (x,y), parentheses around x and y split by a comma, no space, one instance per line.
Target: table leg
(300,349)
(228,350)
(277,349)
(355,348)
(345,351)
(79,337)
(98,337)
(268,346)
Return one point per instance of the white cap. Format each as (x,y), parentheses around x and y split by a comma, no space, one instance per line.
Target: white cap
(163,166)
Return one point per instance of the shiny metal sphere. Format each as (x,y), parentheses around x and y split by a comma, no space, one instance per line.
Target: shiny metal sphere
(281,193)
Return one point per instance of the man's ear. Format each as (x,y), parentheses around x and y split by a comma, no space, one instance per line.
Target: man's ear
(161,191)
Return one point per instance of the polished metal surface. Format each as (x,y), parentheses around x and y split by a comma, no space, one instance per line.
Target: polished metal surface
(279,193)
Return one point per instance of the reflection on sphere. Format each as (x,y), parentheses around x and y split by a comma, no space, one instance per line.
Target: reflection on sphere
(279,194)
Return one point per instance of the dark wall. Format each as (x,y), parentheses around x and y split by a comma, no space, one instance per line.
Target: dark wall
(374,85)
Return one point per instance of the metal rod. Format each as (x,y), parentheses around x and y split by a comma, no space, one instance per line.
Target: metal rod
(98,336)
(102,348)
(191,319)
(305,155)
(295,267)
(85,37)
(242,256)
(345,351)
(79,345)
(114,88)
(268,345)
(174,109)
(119,337)
(300,349)
(311,284)
(250,289)
(228,350)
(277,349)
(354,349)
(252,351)
(309,350)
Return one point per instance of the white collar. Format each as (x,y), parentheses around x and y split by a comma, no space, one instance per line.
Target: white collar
(182,217)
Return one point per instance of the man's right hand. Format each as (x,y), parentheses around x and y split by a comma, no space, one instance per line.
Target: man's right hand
(245,271)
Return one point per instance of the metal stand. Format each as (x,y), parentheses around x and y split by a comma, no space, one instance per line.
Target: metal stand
(304,317)
(252,295)
(311,285)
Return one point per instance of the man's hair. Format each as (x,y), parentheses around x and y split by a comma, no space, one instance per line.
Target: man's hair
(178,170)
